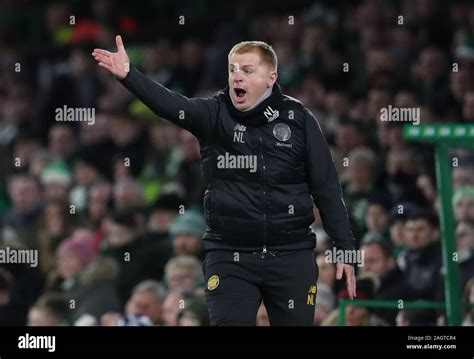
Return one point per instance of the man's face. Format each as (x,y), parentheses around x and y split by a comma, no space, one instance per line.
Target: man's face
(464,209)
(419,233)
(145,303)
(464,236)
(25,194)
(187,244)
(171,308)
(249,78)
(375,261)
(181,278)
(377,218)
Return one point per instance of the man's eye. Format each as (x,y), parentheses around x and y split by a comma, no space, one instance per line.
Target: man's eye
(248,71)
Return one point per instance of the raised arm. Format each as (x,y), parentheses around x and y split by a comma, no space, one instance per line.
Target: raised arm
(193,114)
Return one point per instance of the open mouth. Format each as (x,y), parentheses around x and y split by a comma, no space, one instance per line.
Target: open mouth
(240,94)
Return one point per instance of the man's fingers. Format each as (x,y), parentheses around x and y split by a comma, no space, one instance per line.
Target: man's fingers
(102,58)
(339,270)
(355,288)
(350,281)
(350,277)
(119,43)
(107,66)
(101,51)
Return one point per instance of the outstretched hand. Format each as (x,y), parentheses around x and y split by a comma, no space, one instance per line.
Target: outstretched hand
(348,269)
(117,63)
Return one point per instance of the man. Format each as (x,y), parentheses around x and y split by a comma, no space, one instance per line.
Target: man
(380,261)
(421,263)
(264,163)
(144,307)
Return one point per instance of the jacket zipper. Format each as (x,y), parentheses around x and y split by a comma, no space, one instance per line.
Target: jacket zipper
(264,249)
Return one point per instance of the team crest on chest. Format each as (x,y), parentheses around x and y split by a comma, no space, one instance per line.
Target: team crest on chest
(282,132)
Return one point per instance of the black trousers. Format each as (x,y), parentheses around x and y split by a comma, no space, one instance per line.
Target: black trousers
(237,282)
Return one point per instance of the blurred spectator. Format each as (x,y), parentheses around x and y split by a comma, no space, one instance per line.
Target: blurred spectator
(174,303)
(468,299)
(325,300)
(61,140)
(195,314)
(463,176)
(50,310)
(186,232)
(416,318)
(21,223)
(163,213)
(128,193)
(183,273)
(380,261)
(57,223)
(56,181)
(463,203)
(143,308)
(421,262)
(139,258)
(465,251)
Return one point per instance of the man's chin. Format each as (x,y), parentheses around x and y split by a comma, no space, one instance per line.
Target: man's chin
(242,106)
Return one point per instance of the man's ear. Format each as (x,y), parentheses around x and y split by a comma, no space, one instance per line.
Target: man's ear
(273,79)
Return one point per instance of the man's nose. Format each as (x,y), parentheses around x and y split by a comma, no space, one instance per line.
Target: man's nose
(237,75)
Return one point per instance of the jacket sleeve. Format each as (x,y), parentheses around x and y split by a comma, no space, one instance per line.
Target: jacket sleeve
(192,114)
(325,187)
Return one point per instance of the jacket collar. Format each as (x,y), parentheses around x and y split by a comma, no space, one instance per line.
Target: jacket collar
(265,112)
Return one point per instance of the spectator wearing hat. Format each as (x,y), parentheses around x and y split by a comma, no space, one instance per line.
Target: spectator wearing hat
(186,233)
(163,213)
(85,278)
(56,180)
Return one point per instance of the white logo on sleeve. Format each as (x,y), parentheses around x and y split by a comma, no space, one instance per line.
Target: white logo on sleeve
(271,114)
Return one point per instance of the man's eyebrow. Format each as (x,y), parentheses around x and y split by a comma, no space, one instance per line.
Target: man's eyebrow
(241,66)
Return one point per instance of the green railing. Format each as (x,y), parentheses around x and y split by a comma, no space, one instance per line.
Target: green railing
(444,137)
